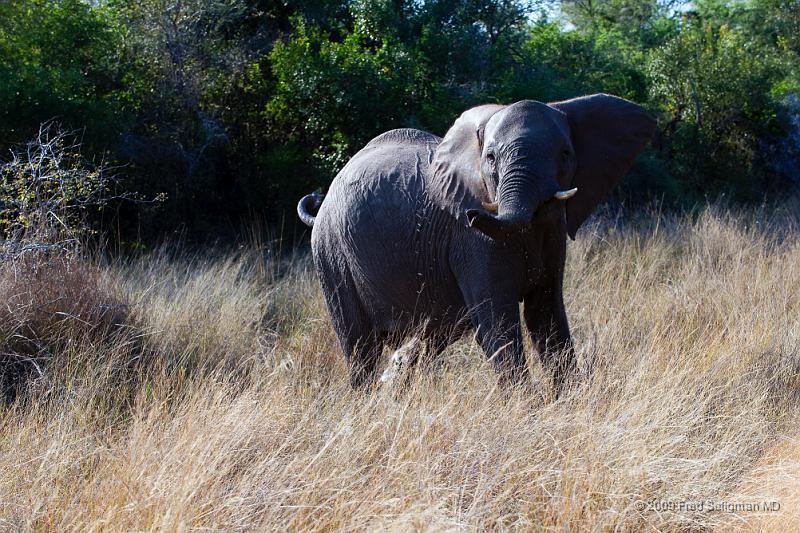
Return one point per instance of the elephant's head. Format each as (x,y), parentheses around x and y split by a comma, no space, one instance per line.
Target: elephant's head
(498,164)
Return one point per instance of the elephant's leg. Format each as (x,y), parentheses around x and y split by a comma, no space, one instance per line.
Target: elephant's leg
(546,320)
(499,334)
(406,357)
(403,358)
(364,363)
(490,294)
(361,344)
(434,343)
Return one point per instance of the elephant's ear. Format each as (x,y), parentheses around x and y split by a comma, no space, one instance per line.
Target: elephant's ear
(457,184)
(607,134)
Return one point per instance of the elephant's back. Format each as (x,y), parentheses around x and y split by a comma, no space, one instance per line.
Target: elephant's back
(405,136)
(397,158)
(381,183)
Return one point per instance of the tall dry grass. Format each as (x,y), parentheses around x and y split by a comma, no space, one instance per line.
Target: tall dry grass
(222,401)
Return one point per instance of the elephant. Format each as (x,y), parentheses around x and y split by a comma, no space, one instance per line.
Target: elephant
(446,235)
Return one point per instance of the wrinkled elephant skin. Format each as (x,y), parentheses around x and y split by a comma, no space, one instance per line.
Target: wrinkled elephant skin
(438,236)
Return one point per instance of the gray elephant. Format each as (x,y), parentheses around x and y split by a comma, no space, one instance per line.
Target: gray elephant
(441,236)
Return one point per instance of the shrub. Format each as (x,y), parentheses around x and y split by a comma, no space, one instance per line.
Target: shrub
(48,191)
(51,299)
(51,295)
(712,86)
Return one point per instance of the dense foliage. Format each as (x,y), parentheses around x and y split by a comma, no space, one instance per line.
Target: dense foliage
(234,108)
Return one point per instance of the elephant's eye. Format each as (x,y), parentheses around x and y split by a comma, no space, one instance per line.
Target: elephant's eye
(490,158)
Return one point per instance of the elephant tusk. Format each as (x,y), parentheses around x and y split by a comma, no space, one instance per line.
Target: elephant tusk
(490,206)
(565,195)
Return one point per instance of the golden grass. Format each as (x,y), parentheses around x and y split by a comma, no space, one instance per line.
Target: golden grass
(224,404)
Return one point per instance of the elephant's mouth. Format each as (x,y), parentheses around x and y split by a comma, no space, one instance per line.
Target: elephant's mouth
(502,225)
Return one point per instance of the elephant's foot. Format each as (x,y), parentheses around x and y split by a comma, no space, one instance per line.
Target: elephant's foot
(400,361)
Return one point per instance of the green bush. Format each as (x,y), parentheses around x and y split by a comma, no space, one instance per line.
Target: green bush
(58,59)
(712,88)
(334,96)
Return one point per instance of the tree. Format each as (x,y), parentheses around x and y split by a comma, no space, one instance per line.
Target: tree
(58,58)
(713,86)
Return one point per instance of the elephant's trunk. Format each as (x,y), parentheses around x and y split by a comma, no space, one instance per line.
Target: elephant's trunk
(518,198)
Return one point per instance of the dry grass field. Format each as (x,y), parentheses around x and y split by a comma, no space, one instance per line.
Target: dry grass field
(177,392)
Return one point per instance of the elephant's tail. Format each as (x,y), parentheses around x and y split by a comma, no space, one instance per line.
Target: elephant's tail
(307,205)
